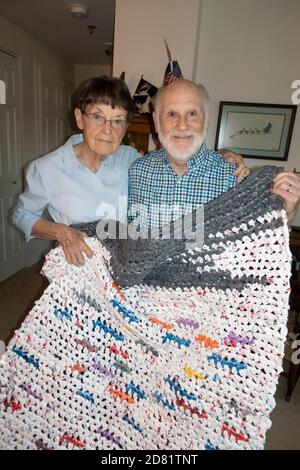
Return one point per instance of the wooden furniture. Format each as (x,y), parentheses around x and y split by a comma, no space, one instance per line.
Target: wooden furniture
(294,315)
(139,130)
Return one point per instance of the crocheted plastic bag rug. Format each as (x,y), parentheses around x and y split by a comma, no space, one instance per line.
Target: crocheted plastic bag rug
(152,346)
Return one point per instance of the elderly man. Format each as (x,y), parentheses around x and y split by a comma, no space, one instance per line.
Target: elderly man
(184,174)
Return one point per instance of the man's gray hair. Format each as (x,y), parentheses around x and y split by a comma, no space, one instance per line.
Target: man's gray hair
(200,89)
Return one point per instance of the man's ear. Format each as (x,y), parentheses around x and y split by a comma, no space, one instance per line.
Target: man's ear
(155,118)
(78,117)
(207,123)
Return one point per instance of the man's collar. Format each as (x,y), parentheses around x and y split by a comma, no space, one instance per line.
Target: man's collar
(199,158)
(196,160)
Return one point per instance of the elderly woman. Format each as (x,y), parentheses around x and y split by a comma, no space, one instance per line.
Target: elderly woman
(88,174)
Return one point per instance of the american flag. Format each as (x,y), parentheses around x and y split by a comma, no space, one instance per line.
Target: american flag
(173,71)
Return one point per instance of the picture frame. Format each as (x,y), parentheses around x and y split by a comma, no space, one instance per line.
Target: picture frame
(255,130)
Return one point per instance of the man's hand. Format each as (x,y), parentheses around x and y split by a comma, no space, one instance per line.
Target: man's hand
(73,244)
(242,171)
(287,185)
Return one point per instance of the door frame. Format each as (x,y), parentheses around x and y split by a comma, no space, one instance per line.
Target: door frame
(18,58)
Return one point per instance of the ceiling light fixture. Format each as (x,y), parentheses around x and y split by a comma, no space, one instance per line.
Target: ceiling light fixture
(91,28)
(78,10)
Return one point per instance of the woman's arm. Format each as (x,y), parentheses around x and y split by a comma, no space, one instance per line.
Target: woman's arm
(27,216)
(71,240)
(242,171)
(32,202)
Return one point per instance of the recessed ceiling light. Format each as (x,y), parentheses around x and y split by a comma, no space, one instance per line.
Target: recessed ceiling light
(78,10)
(91,28)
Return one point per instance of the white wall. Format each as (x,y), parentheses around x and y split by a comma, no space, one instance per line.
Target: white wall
(33,56)
(84,72)
(141,25)
(248,51)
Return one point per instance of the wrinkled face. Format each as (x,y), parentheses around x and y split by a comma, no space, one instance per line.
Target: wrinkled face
(180,121)
(102,138)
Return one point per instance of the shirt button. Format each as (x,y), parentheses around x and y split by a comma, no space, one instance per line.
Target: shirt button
(178,181)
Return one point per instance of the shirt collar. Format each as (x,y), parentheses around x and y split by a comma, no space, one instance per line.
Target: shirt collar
(68,155)
(197,160)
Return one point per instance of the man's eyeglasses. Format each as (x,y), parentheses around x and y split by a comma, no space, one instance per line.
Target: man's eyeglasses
(97,119)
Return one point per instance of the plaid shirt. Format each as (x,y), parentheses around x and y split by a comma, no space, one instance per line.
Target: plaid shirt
(165,196)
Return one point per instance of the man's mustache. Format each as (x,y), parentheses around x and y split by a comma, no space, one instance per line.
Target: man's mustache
(183,134)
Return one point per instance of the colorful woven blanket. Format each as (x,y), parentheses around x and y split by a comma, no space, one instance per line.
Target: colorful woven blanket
(154,346)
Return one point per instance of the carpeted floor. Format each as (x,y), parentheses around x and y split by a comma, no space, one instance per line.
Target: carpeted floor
(17,296)
(285,431)
(18,293)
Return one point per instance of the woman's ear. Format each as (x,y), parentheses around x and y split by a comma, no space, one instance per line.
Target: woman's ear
(78,117)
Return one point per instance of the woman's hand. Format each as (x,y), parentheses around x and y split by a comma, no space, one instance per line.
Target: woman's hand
(73,244)
(71,239)
(287,185)
(242,171)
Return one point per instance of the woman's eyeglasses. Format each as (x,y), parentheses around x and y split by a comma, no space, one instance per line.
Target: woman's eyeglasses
(97,119)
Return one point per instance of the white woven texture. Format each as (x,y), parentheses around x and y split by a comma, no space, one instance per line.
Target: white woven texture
(95,367)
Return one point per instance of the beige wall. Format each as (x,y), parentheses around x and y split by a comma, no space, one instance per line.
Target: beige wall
(84,72)
(249,51)
(141,25)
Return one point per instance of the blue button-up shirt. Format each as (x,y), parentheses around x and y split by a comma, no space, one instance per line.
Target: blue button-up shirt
(71,192)
(160,195)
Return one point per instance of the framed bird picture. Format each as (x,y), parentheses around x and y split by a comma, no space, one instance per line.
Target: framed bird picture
(255,130)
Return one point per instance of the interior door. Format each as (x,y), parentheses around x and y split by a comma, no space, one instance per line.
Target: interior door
(11,244)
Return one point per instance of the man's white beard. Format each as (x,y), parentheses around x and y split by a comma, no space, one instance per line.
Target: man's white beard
(181,154)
